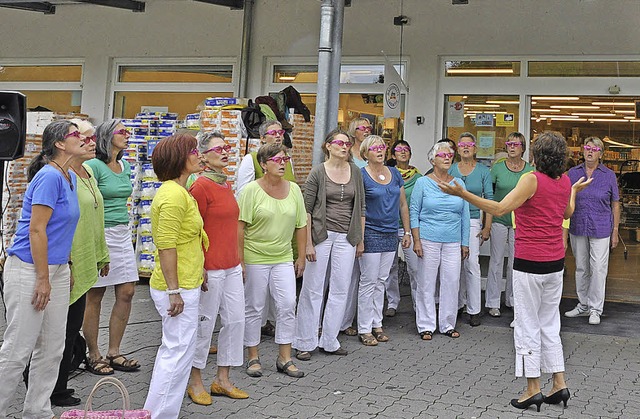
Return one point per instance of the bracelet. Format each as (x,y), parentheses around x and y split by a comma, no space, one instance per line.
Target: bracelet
(407,233)
(174,292)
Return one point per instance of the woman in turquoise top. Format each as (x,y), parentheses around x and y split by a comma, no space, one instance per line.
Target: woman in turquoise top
(401,153)
(440,229)
(113,175)
(477,180)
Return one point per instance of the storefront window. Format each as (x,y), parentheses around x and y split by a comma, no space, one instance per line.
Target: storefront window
(349,73)
(175,74)
(482,68)
(41,73)
(128,104)
(584,68)
(60,101)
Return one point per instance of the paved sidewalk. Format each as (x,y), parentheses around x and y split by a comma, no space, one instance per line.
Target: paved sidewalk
(469,377)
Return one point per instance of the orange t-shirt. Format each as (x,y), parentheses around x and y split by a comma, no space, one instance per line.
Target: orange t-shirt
(219,210)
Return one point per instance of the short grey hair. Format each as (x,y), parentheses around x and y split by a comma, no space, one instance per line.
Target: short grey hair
(266,124)
(467,135)
(104,135)
(368,142)
(436,148)
(204,138)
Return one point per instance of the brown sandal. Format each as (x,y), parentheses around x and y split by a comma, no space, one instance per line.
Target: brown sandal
(380,335)
(123,363)
(368,339)
(350,331)
(98,366)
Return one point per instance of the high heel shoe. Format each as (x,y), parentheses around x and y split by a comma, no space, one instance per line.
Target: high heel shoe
(536,399)
(559,396)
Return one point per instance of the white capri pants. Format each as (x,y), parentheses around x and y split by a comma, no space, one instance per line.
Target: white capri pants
(352,297)
(340,253)
(30,333)
(225,296)
(374,271)
(502,240)
(470,282)
(392,285)
(536,333)
(592,265)
(175,355)
(447,256)
(280,280)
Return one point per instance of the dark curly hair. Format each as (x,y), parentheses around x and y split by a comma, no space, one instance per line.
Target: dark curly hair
(550,154)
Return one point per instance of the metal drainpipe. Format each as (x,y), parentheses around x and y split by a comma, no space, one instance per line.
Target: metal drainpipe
(324,78)
(336,61)
(247,23)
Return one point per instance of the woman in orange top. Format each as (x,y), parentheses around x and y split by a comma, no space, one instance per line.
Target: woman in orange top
(224,286)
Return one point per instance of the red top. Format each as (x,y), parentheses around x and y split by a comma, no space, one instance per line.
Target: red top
(539,220)
(219,210)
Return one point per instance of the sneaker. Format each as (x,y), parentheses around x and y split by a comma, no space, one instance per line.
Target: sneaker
(594,318)
(390,312)
(494,312)
(474,320)
(577,312)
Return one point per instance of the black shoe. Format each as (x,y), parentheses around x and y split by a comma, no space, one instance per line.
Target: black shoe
(536,399)
(340,351)
(557,397)
(474,320)
(284,368)
(268,329)
(65,401)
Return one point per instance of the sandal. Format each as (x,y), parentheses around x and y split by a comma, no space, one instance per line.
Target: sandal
(285,369)
(98,366)
(126,365)
(426,335)
(350,331)
(368,339)
(303,355)
(380,335)
(453,333)
(255,372)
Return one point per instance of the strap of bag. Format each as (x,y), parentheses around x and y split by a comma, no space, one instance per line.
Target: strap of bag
(126,403)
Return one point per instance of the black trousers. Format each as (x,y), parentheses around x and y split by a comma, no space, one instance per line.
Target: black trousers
(75,318)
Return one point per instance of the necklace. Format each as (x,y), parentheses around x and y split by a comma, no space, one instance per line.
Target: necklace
(88,185)
(65,174)
(515,167)
(438,177)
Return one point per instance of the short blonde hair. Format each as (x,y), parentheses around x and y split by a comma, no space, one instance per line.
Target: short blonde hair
(83,125)
(368,142)
(355,123)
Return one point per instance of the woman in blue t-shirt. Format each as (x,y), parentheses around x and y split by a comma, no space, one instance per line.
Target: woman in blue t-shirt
(385,199)
(38,266)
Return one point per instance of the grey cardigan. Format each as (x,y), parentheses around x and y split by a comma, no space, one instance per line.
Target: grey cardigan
(315,202)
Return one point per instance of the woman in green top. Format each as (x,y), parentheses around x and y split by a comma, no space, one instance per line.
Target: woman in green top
(271,211)
(89,255)
(401,154)
(113,175)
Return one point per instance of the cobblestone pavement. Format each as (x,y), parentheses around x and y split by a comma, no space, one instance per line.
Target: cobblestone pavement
(469,377)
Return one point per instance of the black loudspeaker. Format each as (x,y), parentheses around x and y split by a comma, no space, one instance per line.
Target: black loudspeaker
(13,125)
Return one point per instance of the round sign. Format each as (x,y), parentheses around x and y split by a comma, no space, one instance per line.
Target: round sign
(392,96)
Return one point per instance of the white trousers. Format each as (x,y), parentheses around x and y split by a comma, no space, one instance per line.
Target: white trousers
(448,258)
(374,271)
(392,285)
(30,333)
(470,282)
(337,251)
(352,297)
(502,240)
(280,280)
(225,296)
(536,333)
(175,355)
(592,265)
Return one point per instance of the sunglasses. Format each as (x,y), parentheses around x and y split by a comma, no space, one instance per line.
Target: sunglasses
(90,138)
(341,143)
(275,132)
(466,144)
(194,151)
(402,148)
(280,159)
(444,155)
(122,131)
(218,149)
(376,148)
(364,128)
(591,148)
(73,134)
(513,143)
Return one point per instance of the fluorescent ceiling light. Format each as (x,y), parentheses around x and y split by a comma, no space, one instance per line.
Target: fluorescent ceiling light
(614,103)
(568,119)
(555,98)
(287,78)
(574,107)
(607,120)
(480,70)
(610,141)
(505,102)
(533,102)
(629,112)
(477,105)
(559,116)
(629,117)
(545,110)
(594,114)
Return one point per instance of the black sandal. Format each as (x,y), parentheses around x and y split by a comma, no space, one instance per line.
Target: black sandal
(98,366)
(426,335)
(453,333)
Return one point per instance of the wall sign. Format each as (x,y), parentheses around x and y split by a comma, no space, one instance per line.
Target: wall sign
(505,120)
(455,114)
(484,120)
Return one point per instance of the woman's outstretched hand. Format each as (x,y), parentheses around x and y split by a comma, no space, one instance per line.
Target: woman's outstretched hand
(581,184)
(451,189)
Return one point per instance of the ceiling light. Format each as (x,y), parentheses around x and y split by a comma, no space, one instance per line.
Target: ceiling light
(629,117)
(568,119)
(555,98)
(607,120)
(533,102)
(287,78)
(594,114)
(505,102)
(479,105)
(614,103)
(545,110)
(480,70)
(629,112)
(610,141)
(559,116)
(574,107)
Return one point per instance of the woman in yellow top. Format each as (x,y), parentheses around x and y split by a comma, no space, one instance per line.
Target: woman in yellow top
(176,227)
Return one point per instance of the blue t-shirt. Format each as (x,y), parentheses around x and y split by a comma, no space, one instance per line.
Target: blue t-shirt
(442,218)
(50,188)
(478,182)
(383,202)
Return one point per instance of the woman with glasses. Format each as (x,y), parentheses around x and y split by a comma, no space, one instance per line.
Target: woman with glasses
(271,213)
(593,230)
(385,201)
(334,200)
(477,180)
(401,153)
(37,275)
(359,129)
(224,288)
(177,231)
(113,175)
(440,229)
(504,176)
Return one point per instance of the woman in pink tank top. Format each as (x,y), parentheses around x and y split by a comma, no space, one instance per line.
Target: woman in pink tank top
(541,200)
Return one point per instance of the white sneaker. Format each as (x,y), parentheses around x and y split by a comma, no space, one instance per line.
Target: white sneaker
(577,312)
(594,318)
(494,312)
